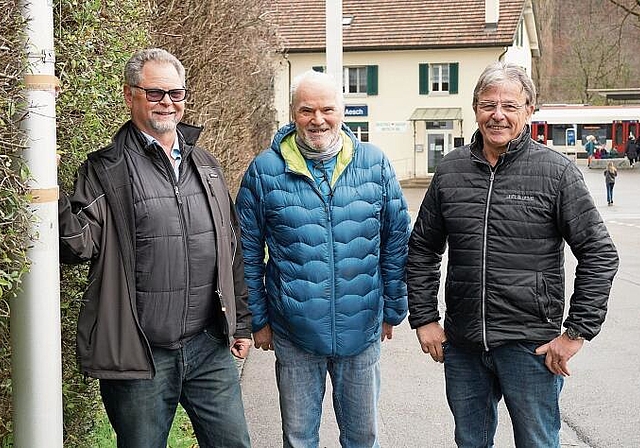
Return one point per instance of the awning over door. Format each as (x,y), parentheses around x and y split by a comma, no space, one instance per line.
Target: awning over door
(436,114)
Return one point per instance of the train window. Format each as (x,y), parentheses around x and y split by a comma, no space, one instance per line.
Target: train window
(602,132)
(559,132)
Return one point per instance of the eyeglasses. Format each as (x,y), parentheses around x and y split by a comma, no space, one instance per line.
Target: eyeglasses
(157,95)
(491,106)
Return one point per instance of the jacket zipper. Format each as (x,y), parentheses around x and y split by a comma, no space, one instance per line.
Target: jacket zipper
(183,226)
(327,208)
(223,307)
(484,260)
(333,276)
(545,302)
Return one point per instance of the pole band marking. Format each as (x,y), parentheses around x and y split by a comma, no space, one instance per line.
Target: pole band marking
(41,195)
(42,82)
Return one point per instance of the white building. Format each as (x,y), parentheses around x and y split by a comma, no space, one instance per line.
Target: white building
(409,66)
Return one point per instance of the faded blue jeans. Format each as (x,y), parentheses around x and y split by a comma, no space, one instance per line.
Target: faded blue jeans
(610,186)
(301,379)
(202,377)
(477,380)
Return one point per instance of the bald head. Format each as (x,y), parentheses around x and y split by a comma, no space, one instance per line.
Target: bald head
(319,81)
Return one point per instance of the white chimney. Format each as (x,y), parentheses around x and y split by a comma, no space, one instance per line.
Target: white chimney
(491,13)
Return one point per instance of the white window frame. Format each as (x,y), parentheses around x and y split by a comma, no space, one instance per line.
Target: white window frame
(361,79)
(439,75)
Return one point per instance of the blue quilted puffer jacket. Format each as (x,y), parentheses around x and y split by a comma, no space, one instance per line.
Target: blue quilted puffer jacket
(334,269)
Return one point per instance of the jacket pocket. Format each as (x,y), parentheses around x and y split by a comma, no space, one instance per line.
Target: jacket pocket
(542,297)
(550,296)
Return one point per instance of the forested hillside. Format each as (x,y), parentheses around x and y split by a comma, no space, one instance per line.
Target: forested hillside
(587,44)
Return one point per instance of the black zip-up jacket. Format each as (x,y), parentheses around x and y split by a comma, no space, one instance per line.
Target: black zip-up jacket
(506,228)
(97,224)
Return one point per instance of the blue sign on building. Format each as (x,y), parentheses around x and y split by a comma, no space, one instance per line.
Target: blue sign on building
(356,111)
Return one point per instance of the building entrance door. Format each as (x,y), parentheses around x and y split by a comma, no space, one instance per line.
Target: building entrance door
(438,143)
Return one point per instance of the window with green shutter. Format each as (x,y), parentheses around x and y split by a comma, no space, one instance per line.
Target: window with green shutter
(423,76)
(453,78)
(362,79)
(434,78)
(372,79)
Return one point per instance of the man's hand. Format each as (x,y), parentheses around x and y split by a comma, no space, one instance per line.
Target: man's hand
(431,337)
(263,338)
(558,352)
(240,347)
(387,331)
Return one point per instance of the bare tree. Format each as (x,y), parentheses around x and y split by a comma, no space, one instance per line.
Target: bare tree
(631,7)
(587,44)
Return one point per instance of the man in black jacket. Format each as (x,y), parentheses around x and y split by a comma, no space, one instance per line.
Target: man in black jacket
(166,293)
(505,205)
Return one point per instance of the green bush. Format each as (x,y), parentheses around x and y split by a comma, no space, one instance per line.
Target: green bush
(15,218)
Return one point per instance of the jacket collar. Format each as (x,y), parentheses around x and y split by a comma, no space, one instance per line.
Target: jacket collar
(514,147)
(128,136)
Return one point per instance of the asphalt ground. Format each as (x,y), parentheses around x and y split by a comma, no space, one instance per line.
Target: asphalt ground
(600,402)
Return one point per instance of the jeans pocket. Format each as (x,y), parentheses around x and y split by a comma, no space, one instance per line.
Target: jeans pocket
(215,336)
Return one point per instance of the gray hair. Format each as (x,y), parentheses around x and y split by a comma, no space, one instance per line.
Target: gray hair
(133,67)
(319,77)
(500,72)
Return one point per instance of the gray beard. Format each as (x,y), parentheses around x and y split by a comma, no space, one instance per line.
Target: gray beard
(162,127)
(311,153)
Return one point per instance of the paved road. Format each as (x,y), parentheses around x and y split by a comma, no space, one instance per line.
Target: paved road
(600,402)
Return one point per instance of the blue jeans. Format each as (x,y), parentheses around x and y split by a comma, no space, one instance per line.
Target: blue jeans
(477,380)
(301,379)
(609,192)
(202,377)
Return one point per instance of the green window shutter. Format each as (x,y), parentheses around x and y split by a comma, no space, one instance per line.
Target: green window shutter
(423,76)
(318,68)
(372,79)
(453,78)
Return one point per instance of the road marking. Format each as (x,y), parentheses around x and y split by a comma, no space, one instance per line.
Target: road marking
(627,224)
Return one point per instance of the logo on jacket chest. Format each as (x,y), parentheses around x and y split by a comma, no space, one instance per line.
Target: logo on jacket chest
(520,197)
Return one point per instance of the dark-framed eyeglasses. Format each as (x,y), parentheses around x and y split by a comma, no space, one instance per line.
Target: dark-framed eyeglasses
(157,95)
(491,106)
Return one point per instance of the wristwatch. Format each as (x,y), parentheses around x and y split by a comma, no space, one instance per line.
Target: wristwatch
(573,334)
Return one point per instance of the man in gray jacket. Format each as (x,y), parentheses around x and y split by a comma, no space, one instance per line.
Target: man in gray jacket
(505,205)
(152,214)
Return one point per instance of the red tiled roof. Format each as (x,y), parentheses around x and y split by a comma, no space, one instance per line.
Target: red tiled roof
(396,24)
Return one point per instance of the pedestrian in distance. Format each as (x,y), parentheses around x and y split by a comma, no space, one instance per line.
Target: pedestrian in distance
(504,206)
(331,213)
(631,149)
(152,214)
(590,148)
(610,174)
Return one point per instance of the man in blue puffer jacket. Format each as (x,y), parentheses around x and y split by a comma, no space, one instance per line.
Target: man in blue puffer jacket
(330,212)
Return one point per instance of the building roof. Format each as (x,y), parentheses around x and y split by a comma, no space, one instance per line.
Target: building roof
(395,25)
(628,94)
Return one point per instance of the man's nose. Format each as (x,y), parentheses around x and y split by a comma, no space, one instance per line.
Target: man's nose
(318,117)
(166,100)
(498,113)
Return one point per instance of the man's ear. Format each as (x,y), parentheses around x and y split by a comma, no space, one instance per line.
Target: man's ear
(128,95)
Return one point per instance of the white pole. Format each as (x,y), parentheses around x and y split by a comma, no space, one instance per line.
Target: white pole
(334,39)
(36,359)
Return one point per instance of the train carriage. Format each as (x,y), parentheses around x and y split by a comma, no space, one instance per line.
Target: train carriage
(566,127)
